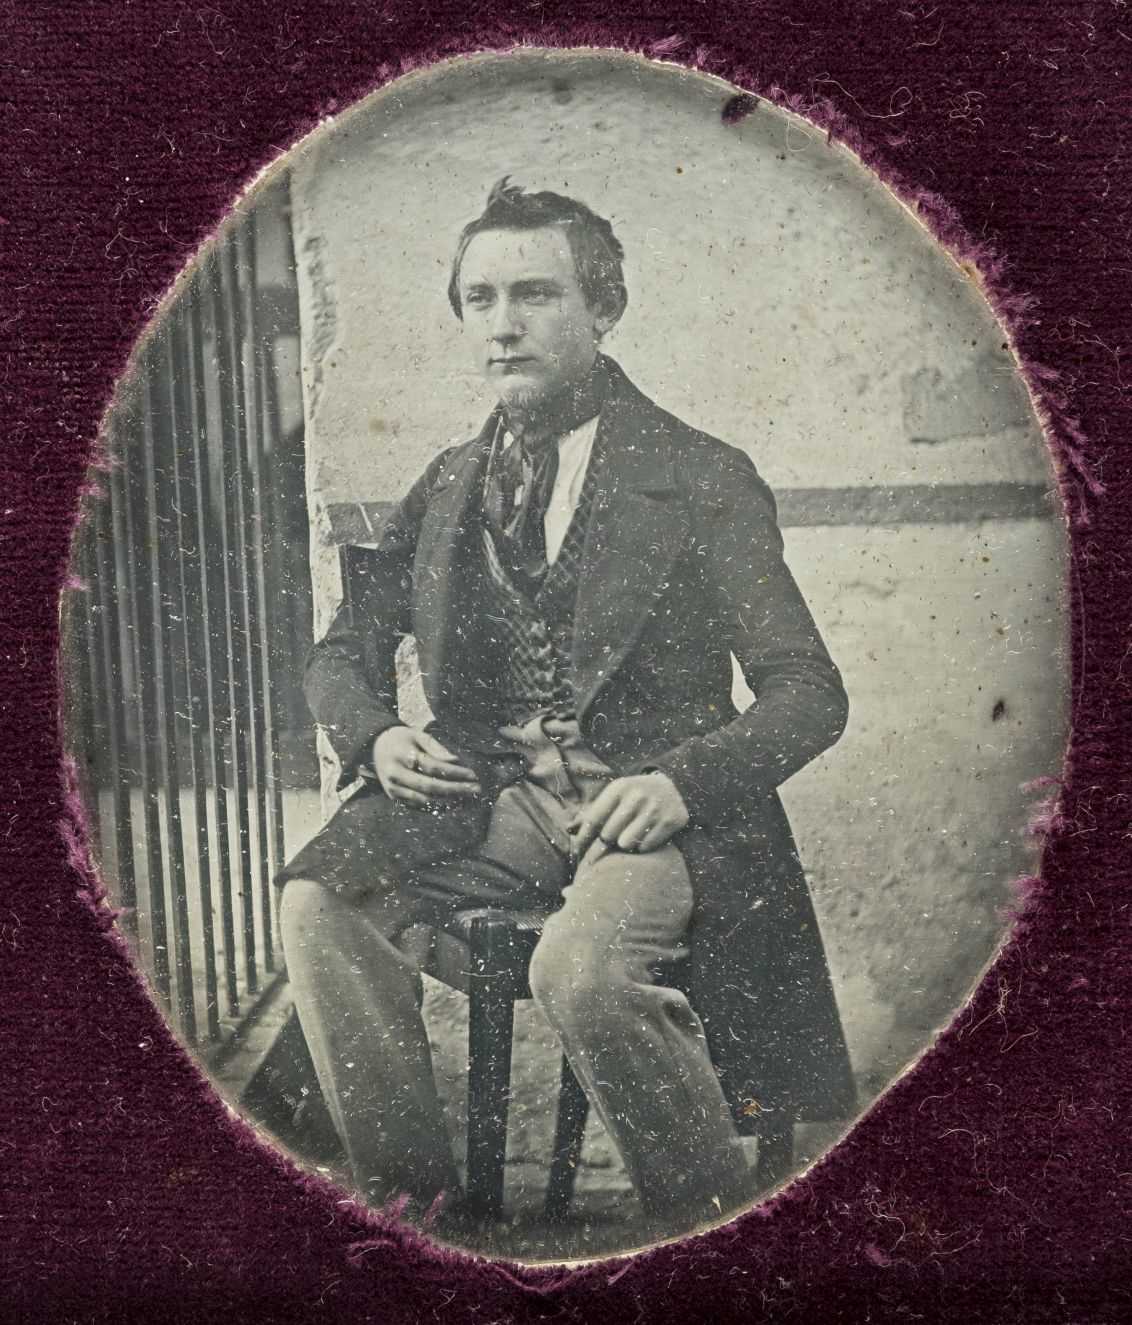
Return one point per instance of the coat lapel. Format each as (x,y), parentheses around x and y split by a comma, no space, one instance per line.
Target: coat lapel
(447,564)
(636,532)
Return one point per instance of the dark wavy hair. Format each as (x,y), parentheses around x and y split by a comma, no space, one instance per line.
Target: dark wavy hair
(597,252)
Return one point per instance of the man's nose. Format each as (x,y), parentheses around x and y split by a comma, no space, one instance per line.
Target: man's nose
(505,322)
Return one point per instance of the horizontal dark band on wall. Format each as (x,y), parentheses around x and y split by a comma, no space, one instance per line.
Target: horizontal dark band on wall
(915,503)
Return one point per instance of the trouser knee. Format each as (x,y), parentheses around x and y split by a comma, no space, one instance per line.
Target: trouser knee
(575,986)
(309,914)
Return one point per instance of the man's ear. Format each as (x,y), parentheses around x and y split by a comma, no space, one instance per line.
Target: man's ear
(605,319)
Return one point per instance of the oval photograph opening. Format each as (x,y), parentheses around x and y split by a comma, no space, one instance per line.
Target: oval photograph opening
(574,610)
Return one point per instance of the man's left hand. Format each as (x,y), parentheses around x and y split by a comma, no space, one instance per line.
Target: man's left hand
(636,813)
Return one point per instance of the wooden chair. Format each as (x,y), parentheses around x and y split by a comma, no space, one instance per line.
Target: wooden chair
(486,953)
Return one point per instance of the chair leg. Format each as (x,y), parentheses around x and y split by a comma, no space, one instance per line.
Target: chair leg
(573,1108)
(775,1155)
(490,1027)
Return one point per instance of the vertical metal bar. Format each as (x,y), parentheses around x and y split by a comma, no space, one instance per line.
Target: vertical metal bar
(119,779)
(255,536)
(86,685)
(186,503)
(95,724)
(235,587)
(140,553)
(269,486)
(214,603)
(96,718)
(124,577)
(162,532)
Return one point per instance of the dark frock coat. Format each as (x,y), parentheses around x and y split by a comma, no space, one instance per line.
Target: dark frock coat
(682,568)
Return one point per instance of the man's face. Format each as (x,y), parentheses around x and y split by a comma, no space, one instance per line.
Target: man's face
(526,318)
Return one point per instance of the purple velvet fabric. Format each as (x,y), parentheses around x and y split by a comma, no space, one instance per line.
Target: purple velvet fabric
(992,1183)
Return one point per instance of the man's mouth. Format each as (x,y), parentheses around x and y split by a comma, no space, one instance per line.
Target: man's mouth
(512,361)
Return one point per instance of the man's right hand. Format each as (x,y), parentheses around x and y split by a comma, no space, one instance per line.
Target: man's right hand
(412,766)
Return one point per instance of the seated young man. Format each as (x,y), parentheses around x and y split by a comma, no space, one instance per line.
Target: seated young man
(577,578)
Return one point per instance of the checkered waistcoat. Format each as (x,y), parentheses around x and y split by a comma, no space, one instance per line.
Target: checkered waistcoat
(535,635)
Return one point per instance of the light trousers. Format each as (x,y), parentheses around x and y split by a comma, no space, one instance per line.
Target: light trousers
(637,1047)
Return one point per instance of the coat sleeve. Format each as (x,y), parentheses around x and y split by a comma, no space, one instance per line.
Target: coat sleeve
(800,706)
(350,677)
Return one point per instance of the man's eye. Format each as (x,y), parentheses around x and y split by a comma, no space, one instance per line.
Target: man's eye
(477,299)
(539,295)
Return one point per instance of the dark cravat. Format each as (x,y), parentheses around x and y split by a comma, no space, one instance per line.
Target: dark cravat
(520,481)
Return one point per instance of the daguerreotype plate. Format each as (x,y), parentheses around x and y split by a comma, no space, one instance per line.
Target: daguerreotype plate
(571,623)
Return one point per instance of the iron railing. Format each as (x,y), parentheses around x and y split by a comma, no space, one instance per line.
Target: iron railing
(178,635)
